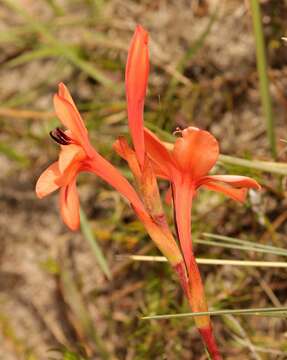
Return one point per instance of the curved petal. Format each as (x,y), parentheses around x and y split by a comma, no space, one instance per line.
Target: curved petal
(105,170)
(196,152)
(122,148)
(64,93)
(183,194)
(70,205)
(47,182)
(235,194)
(69,154)
(158,171)
(72,120)
(159,154)
(137,70)
(233,180)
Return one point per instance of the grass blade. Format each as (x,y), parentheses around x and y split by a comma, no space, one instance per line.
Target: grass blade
(37,54)
(203,261)
(245,242)
(239,247)
(254,311)
(190,53)
(62,48)
(74,299)
(262,72)
(266,166)
(89,236)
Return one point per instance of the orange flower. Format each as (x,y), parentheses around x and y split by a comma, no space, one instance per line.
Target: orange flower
(137,70)
(77,155)
(186,166)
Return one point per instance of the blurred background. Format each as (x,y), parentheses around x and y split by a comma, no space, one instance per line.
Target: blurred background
(75,296)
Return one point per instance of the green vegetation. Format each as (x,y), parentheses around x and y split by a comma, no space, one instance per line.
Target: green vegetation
(80,293)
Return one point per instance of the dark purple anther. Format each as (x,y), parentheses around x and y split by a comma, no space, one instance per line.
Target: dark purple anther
(60,137)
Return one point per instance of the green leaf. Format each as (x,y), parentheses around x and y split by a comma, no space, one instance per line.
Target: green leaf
(36,54)
(89,236)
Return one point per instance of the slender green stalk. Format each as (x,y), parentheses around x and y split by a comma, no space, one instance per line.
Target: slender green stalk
(252,245)
(89,236)
(239,247)
(266,166)
(255,311)
(74,299)
(262,72)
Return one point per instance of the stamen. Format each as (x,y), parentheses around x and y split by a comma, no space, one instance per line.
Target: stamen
(60,137)
(177,131)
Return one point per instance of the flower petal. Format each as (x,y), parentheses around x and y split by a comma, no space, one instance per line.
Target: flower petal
(69,154)
(64,93)
(183,194)
(72,120)
(137,70)
(70,206)
(105,170)
(196,152)
(233,180)
(233,193)
(122,148)
(168,196)
(47,182)
(159,154)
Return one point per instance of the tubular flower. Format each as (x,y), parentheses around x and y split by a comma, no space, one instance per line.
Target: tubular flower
(77,155)
(186,166)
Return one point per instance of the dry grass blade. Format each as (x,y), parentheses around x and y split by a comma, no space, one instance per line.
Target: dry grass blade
(275,264)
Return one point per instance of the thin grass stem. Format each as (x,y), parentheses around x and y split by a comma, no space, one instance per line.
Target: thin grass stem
(239,247)
(205,261)
(245,242)
(262,73)
(254,311)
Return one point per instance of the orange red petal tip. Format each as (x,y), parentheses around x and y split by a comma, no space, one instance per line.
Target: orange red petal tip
(136,78)
(137,67)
